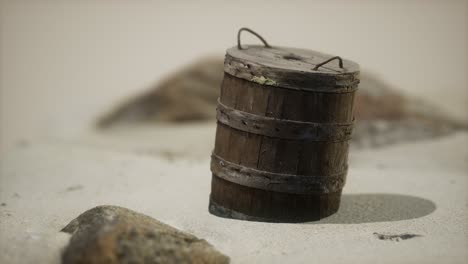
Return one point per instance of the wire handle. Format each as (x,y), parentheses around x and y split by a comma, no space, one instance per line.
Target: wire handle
(340,62)
(239,46)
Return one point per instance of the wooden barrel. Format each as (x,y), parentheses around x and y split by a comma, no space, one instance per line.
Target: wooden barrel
(284,120)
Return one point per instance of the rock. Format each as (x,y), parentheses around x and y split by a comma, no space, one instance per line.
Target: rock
(383,115)
(112,234)
(189,94)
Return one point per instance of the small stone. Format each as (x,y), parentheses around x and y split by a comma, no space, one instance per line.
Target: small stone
(112,234)
(395,237)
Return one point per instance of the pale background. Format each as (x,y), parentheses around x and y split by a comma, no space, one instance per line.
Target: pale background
(62,63)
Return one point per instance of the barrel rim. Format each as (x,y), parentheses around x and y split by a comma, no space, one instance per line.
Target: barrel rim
(290,79)
(263,69)
(287,58)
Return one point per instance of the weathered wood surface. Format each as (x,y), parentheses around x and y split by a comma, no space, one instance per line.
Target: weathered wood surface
(239,202)
(300,156)
(291,68)
(285,129)
(279,182)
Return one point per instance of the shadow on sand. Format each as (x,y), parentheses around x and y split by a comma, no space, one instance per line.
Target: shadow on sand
(371,208)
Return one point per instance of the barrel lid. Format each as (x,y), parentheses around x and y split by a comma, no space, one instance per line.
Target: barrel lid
(292,68)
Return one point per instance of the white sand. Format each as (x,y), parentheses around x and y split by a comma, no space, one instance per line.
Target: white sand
(63,63)
(418,188)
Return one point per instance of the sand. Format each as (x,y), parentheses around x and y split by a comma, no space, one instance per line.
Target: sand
(418,188)
(64,64)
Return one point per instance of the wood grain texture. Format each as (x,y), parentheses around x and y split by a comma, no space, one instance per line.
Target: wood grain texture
(291,68)
(278,156)
(282,128)
(277,182)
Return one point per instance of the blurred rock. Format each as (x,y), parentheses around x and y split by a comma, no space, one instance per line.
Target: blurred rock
(111,234)
(187,95)
(383,115)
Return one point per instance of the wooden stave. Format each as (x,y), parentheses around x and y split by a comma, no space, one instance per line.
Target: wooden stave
(234,92)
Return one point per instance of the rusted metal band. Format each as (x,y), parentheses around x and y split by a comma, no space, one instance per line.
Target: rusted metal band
(281,128)
(278,182)
(222,211)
